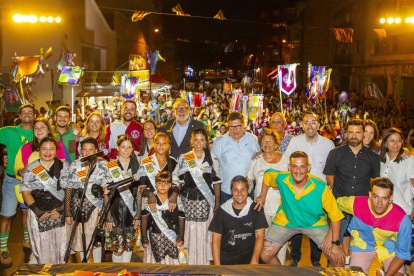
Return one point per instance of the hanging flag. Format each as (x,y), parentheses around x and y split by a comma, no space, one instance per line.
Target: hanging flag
(220,15)
(139,15)
(343,35)
(153,57)
(178,11)
(382,36)
(277,25)
(287,78)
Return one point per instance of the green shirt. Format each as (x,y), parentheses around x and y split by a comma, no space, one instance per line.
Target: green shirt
(14,137)
(309,209)
(68,138)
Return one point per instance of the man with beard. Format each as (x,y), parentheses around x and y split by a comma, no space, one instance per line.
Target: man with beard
(181,128)
(14,137)
(127,126)
(350,168)
(317,148)
(306,202)
(66,132)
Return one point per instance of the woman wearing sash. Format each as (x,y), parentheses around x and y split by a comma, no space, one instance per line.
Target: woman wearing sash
(42,193)
(149,129)
(199,175)
(124,214)
(165,228)
(95,128)
(73,181)
(160,161)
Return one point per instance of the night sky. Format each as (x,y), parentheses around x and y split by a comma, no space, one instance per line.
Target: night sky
(199,30)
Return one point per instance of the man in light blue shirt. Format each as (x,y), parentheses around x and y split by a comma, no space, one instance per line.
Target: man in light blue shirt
(235,150)
(179,131)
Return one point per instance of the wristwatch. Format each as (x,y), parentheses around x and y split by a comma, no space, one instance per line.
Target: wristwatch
(336,242)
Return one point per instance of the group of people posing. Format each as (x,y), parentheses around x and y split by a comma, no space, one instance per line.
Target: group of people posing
(237,203)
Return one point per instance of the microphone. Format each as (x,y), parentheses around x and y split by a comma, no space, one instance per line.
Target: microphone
(119,184)
(93,156)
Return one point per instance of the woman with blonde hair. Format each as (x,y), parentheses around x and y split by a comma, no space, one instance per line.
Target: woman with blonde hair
(95,128)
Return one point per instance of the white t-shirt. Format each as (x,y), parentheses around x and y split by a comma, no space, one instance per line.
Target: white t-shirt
(400,175)
(255,171)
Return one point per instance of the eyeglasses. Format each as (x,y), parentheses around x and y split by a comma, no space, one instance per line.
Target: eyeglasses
(181,109)
(398,141)
(313,123)
(235,127)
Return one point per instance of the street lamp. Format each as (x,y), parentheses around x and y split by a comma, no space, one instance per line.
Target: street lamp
(390,20)
(18,18)
(408,20)
(398,20)
(382,20)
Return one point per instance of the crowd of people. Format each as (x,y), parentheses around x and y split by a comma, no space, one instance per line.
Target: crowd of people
(207,181)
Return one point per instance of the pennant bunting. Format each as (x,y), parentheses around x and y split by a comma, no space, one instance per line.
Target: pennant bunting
(343,35)
(382,36)
(220,15)
(178,11)
(139,15)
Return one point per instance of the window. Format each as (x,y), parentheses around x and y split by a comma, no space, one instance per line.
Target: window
(376,47)
(275,39)
(263,14)
(275,52)
(275,13)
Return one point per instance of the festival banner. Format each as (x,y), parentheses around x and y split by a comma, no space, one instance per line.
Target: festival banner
(71,75)
(287,78)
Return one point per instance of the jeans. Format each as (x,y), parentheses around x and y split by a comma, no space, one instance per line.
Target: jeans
(344,225)
(9,203)
(296,253)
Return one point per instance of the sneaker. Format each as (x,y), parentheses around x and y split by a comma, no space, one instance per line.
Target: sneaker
(27,247)
(5,259)
(348,260)
(294,263)
(316,264)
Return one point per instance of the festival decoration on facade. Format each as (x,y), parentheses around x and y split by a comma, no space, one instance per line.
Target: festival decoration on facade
(382,36)
(343,35)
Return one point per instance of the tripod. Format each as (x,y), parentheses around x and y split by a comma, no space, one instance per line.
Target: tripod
(99,226)
(80,215)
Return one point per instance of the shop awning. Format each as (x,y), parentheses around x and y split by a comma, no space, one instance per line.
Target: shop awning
(155,78)
(94,92)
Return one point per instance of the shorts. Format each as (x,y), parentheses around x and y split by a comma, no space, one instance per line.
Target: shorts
(364,260)
(281,234)
(9,203)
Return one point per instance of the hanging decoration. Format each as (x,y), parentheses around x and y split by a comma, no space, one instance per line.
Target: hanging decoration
(287,78)
(139,15)
(71,75)
(255,106)
(153,57)
(179,11)
(236,100)
(129,86)
(24,71)
(67,60)
(220,15)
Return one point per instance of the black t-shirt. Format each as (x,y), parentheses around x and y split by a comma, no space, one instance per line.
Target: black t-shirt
(238,234)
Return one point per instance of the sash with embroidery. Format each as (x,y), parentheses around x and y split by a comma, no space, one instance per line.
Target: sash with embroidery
(117,176)
(82,177)
(150,170)
(197,175)
(49,183)
(156,215)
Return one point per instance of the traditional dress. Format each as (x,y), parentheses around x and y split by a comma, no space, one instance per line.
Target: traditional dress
(47,237)
(200,194)
(73,182)
(165,229)
(149,169)
(125,207)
